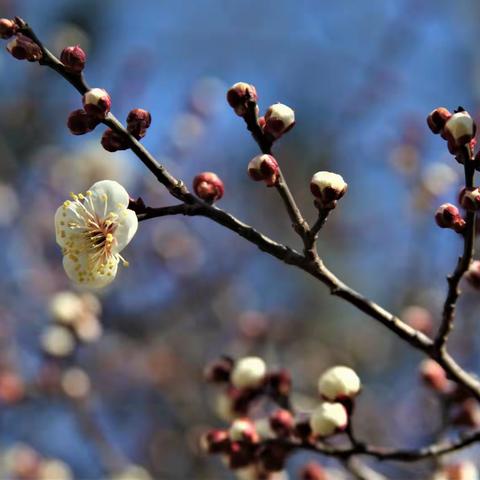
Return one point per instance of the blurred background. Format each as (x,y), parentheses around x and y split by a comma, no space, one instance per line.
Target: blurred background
(361,77)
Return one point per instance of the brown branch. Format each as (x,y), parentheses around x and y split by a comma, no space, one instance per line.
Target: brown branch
(448,315)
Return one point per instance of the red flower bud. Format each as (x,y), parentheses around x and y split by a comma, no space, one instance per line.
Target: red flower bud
(208,186)
(97,102)
(113,141)
(219,370)
(437,118)
(469,198)
(239,95)
(281,422)
(138,121)
(73,58)
(8,28)
(280,383)
(80,122)
(264,168)
(448,216)
(23,48)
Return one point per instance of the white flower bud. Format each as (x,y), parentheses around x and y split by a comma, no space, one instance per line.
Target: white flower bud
(328,418)
(75,383)
(58,341)
(279,119)
(248,372)
(66,307)
(97,102)
(339,383)
(459,129)
(243,430)
(327,188)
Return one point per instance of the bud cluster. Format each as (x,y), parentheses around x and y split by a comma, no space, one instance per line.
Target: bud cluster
(458,129)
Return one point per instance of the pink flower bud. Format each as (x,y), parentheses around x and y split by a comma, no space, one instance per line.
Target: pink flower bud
(8,28)
(219,370)
(138,121)
(437,118)
(215,441)
(239,95)
(313,471)
(279,119)
(243,430)
(459,130)
(327,188)
(448,216)
(23,48)
(469,198)
(473,274)
(97,102)
(80,122)
(208,186)
(264,168)
(434,375)
(73,58)
(113,141)
(281,422)
(418,318)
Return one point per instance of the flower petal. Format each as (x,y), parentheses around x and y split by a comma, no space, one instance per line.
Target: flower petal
(65,214)
(80,271)
(108,196)
(127,227)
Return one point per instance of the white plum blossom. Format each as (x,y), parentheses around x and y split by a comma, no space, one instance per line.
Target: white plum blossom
(92,229)
(338,383)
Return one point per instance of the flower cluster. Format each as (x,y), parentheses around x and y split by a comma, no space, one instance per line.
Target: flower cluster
(263,445)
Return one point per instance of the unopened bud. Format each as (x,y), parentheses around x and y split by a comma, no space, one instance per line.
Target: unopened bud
(113,141)
(240,455)
(23,48)
(464,470)
(472,275)
(313,471)
(208,186)
(467,413)
(97,102)
(138,121)
(469,198)
(239,95)
(327,188)
(418,318)
(281,422)
(280,383)
(339,383)
(448,216)
(437,118)
(433,375)
(264,168)
(80,122)
(8,28)
(249,372)
(73,58)
(215,441)
(243,430)
(328,418)
(279,119)
(219,370)
(459,130)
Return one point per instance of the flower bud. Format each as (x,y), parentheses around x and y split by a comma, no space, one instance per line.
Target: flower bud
(472,275)
(8,28)
(219,370)
(464,470)
(281,422)
(215,441)
(459,130)
(280,383)
(240,455)
(80,122)
(433,375)
(243,430)
(448,216)
(418,318)
(279,119)
(467,413)
(313,471)
(264,168)
(239,95)
(97,102)
(437,118)
(73,58)
(249,372)
(23,48)
(113,141)
(327,188)
(469,198)
(328,418)
(138,121)
(272,457)
(339,383)
(208,187)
